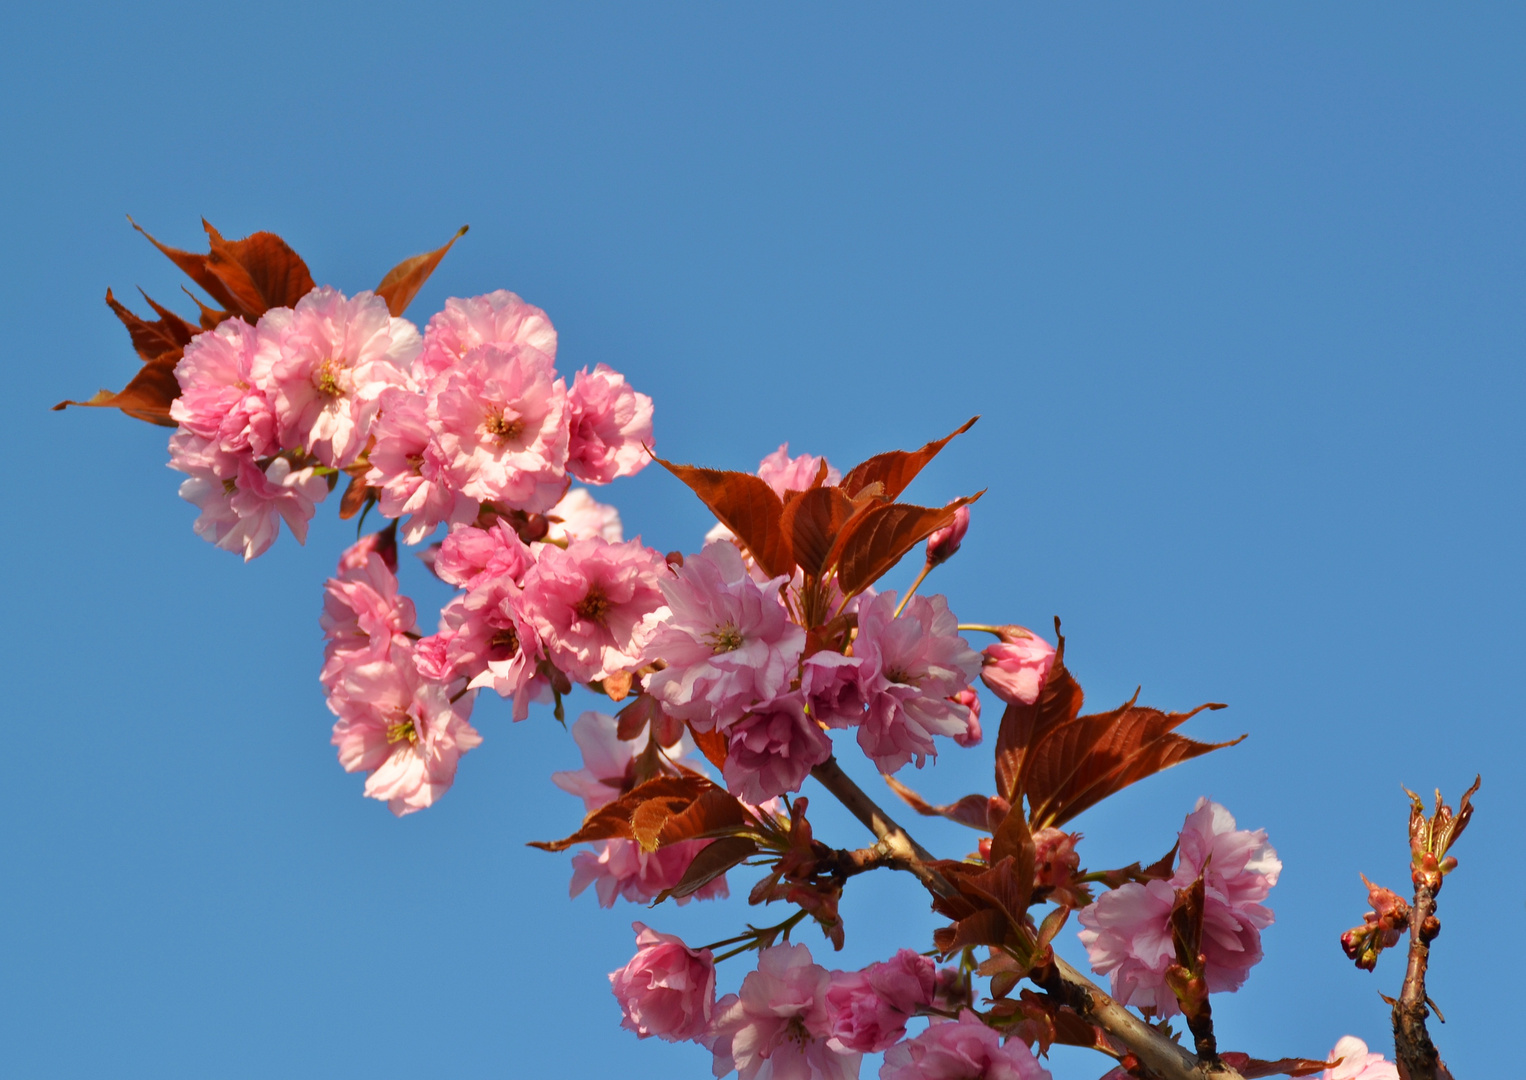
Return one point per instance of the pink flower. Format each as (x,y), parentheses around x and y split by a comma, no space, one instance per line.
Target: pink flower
(244,512)
(784,473)
(468,556)
(909,669)
(830,683)
(404,731)
(944,543)
(619,869)
(727,641)
(499,318)
(591,604)
(971,702)
(218,400)
(1056,863)
(326,367)
(485,637)
(578,517)
(408,467)
(667,989)
(773,749)
(607,760)
(1127,932)
(500,419)
(363,614)
(963,1049)
(611,427)
(1357,1063)
(778,1027)
(869,1008)
(1015,667)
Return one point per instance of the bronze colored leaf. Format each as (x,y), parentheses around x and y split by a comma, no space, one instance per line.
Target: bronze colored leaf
(1014,839)
(715,812)
(404,280)
(712,744)
(1254,1068)
(1022,726)
(165,336)
(897,468)
(613,821)
(812,521)
(355,497)
(875,540)
(747,506)
(970,810)
(260,272)
(710,862)
(984,927)
(146,397)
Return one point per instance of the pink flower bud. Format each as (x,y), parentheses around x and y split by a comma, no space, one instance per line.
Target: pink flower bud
(971,701)
(1015,667)
(667,990)
(944,542)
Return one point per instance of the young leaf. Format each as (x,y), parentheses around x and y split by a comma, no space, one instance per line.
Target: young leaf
(1253,1068)
(712,744)
(146,397)
(670,795)
(897,468)
(970,810)
(812,521)
(876,539)
(165,336)
(710,862)
(1022,726)
(260,272)
(404,280)
(747,506)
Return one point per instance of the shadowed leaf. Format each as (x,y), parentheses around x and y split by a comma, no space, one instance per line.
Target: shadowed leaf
(897,468)
(354,498)
(167,335)
(812,521)
(404,280)
(713,860)
(1253,1068)
(747,506)
(669,796)
(712,744)
(970,810)
(876,539)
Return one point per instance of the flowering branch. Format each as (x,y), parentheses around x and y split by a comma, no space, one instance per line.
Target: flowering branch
(1155,1052)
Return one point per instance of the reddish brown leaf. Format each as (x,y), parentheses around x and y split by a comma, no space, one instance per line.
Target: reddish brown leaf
(167,335)
(146,397)
(672,794)
(712,860)
(1014,839)
(970,810)
(876,539)
(1076,765)
(896,469)
(1023,725)
(712,744)
(247,277)
(404,280)
(354,499)
(984,927)
(1253,1068)
(716,812)
(747,506)
(813,521)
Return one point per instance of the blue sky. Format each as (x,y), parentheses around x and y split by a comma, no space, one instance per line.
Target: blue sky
(1237,291)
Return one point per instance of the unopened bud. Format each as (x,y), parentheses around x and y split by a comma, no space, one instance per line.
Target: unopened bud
(944,542)
(1015,668)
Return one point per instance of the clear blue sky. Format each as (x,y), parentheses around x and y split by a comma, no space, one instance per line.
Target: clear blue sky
(1237,290)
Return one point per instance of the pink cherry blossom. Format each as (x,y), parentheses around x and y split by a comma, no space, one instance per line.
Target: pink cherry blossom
(944,543)
(869,1009)
(1056,863)
(218,400)
(667,989)
(578,517)
(468,555)
(498,318)
(727,641)
(963,1049)
(1358,1063)
(830,683)
(909,669)
(772,749)
(971,735)
(611,427)
(620,870)
(500,419)
(408,467)
(784,473)
(243,513)
(363,613)
(402,730)
(778,1027)
(486,638)
(326,368)
(607,760)
(1015,667)
(591,604)
(1127,932)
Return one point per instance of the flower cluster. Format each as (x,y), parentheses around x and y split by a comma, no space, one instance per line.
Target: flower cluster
(1127,932)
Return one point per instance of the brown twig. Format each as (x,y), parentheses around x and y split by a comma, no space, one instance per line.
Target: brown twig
(1417,1056)
(1154,1050)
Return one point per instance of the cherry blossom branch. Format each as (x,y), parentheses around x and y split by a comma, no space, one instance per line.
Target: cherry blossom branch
(1155,1051)
(1417,1056)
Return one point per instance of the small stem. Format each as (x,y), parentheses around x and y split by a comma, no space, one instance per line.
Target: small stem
(982,627)
(926,569)
(897,842)
(1416,1054)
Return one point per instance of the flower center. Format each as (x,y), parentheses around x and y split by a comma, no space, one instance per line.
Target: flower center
(326,379)
(403,730)
(501,427)
(228,486)
(902,677)
(725,639)
(594,606)
(505,639)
